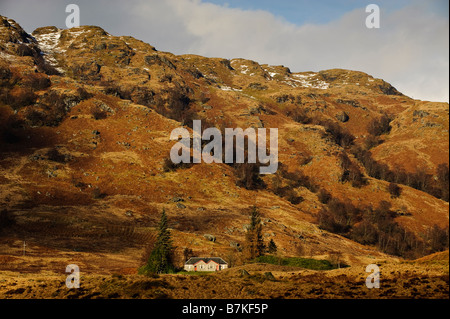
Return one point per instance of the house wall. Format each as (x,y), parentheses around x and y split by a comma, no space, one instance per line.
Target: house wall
(189,267)
(202,266)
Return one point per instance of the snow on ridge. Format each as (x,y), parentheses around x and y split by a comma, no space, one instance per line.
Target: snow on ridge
(244,69)
(306,80)
(48,43)
(76,34)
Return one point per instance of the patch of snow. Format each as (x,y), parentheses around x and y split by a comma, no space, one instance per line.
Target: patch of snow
(301,76)
(48,44)
(306,80)
(271,74)
(76,34)
(227,88)
(244,69)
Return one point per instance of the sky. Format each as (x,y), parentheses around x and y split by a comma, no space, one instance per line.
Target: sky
(410,50)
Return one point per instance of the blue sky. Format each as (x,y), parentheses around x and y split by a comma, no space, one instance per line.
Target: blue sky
(319,12)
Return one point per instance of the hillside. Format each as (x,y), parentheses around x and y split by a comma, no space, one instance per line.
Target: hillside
(85,138)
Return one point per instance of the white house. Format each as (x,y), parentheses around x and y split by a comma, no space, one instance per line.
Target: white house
(205,264)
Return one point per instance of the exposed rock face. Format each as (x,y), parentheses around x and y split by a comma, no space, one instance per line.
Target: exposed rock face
(210,237)
(342,117)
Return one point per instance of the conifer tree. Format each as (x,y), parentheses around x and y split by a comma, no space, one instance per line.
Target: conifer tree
(272,247)
(254,238)
(160,260)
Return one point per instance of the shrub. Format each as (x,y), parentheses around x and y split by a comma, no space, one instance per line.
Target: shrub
(339,216)
(351,172)
(379,126)
(56,156)
(110,88)
(438,238)
(140,95)
(297,179)
(286,192)
(339,135)
(442,173)
(272,247)
(19,97)
(169,166)
(24,50)
(394,190)
(97,194)
(84,94)
(257,86)
(175,104)
(248,176)
(36,81)
(324,197)
(371,141)
(293,198)
(365,233)
(99,114)
(327,221)
(5,72)
(299,115)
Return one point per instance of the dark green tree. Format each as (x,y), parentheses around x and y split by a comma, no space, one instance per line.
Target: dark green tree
(161,257)
(272,247)
(254,238)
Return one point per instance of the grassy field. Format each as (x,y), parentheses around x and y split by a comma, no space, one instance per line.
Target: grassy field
(306,263)
(251,281)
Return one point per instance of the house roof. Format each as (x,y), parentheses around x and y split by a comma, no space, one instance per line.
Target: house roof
(194,260)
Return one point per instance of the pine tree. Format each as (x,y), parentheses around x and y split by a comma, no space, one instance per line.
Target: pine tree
(255,242)
(160,260)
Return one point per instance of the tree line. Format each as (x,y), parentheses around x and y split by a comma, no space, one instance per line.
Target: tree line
(435,183)
(377,226)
